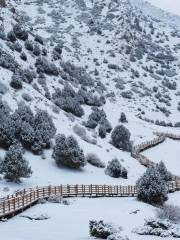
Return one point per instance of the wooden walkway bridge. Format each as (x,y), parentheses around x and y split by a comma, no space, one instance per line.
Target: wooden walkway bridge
(21,200)
(17,203)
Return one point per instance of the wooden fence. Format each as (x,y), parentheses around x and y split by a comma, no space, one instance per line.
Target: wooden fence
(20,201)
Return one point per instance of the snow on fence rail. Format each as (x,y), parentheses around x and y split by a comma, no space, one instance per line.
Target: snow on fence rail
(17,203)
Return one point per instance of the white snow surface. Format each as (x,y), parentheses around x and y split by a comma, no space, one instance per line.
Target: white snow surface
(172,6)
(72,222)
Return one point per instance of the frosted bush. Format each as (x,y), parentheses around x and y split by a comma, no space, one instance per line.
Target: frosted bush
(44,66)
(169,212)
(114,169)
(123,118)
(159,227)
(20,32)
(102,230)
(55,198)
(94,160)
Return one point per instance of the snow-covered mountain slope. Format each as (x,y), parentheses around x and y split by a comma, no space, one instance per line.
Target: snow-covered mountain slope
(111,55)
(116,49)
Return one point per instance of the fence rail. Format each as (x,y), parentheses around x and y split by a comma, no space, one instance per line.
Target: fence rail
(17,203)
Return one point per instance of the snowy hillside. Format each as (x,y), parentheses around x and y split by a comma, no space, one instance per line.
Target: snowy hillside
(73,67)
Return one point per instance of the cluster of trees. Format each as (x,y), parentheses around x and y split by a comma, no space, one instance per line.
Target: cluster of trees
(98,118)
(152,186)
(34,132)
(70,101)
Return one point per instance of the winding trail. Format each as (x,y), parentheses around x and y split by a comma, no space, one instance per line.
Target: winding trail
(21,200)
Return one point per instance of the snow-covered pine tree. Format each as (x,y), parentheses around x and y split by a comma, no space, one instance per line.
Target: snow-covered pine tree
(120,138)
(114,168)
(68,153)
(123,118)
(151,188)
(14,166)
(165,174)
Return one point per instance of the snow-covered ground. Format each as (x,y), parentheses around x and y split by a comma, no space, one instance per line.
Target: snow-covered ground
(172,6)
(72,222)
(168,152)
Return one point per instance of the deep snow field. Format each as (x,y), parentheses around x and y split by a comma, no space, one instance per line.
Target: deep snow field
(168,152)
(72,222)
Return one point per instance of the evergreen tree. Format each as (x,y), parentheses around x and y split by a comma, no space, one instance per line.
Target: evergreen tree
(151,188)
(14,166)
(120,138)
(165,174)
(68,153)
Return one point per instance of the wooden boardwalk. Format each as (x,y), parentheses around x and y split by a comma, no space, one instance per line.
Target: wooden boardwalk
(21,200)
(14,204)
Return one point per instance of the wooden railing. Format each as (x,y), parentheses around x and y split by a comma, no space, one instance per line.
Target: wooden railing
(26,198)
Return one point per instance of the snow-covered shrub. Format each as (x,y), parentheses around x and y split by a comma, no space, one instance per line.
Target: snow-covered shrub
(104,127)
(169,212)
(28,75)
(94,160)
(99,229)
(3,3)
(164,173)
(117,236)
(70,105)
(11,36)
(57,51)
(16,81)
(77,74)
(102,131)
(20,32)
(55,198)
(159,227)
(123,118)
(124,173)
(151,188)
(120,138)
(36,50)
(8,61)
(14,165)
(23,56)
(44,66)
(26,97)
(29,45)
(114,169)
(67,101)
(102,230)
(68,153)
(17,46)
(95,117)
(81,132)
(39,39)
